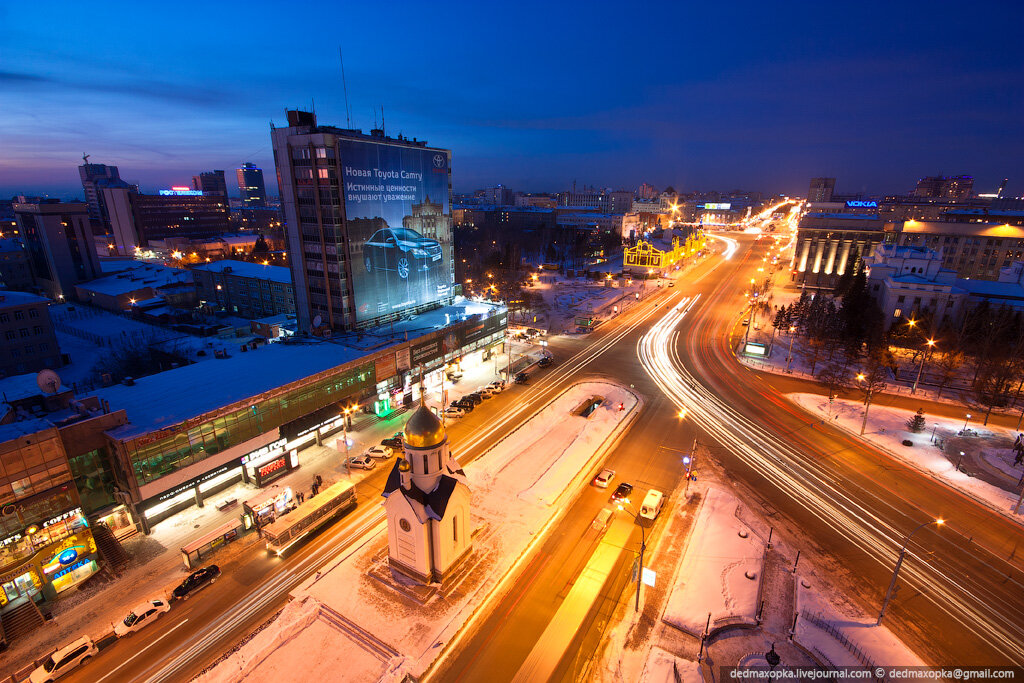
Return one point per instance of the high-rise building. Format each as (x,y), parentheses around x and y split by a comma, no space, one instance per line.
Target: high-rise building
(499,195)
(58,239)
(954,187)
(135,218)
(96,177)
(821,189)
(251,187)
(211,183)
(368,223)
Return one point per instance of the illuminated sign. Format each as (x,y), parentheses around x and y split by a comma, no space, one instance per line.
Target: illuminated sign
(271,467)
(60,518)
(715,207)
(861,204)
(755,349)
(68,570)
(264,450)
(181,192)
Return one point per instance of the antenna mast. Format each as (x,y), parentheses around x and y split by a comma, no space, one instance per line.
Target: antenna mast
(344,84)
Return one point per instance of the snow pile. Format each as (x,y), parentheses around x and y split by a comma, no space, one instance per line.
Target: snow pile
(714,575)
(876,643)
(887,428)
(664,667)
(372,625)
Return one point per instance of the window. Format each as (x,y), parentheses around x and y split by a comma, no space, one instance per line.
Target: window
(900,299)
(30,349)
(455,529)
(37,330)
(5,318)
(23,332)
(897,313)
(33,313)
(19,315)
(11,334)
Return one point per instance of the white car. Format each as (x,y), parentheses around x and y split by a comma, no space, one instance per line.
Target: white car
(362,462)
(604,478)
(453,413)
(486,391)
(65,660)
(379,452)
(141,616)
(497,387)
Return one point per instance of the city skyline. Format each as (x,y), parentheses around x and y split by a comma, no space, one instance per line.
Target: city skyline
(756,101)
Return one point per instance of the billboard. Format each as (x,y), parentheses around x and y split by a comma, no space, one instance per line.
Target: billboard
(398,212)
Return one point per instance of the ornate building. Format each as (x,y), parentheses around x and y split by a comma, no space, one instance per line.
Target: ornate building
(427,503)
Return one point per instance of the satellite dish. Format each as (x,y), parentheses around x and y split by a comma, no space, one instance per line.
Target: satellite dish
(48,381)
(317,320)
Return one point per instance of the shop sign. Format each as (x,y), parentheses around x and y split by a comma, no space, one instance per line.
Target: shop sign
(426,351)
(60,518)
(264,451)
(402,360)
(177,490)
(385,367)
(271,467)
(68,570)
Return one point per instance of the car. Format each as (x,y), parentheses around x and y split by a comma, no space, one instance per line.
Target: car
(392,442)
(622,492)
(140,616)
(522,378)
(453,412)
(651,507)
(197,580)
(497,386)
(746,321)
(603,478)
(401,251)
(544,362)
(64,660)
(379,452)
(672,283)
(362,462)
(484,392)
(474,398)
(464,406)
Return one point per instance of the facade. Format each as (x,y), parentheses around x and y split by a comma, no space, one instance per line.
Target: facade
(121,291)
(211,184)
(27,340)
(95,178)
(135,218)
(499,195)
(828,243)
(249,290)
(59,245)
(657,258)
(346,197)
(977,251)
(251,186)
(14,269)
(541,201)
(427,499)
(821,189)
(954,187)
(620,201)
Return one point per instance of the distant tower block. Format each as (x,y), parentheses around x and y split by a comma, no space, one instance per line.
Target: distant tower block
(427,504)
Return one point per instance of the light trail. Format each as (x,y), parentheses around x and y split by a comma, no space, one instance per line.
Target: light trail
(820,492)
(731,245)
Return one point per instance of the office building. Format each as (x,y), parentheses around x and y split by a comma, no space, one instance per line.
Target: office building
(821,189)
(14,271)
(27,339)
(954,187)
(498,195)
(96,178)
(59,243)
(248,290)
(136,218)
(251,187)
(347,198)
(211,184)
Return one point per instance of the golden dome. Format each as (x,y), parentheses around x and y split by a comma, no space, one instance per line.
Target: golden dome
(424,429)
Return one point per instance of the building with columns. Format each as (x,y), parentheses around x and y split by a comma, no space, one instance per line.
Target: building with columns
(427,503)
(828,243)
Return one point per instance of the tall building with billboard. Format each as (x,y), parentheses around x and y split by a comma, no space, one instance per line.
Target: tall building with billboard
(368,224)
(251,187)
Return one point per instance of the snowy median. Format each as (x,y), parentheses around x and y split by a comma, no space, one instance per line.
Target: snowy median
(364,624)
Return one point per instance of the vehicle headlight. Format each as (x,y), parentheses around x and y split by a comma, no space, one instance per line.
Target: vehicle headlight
(419,253)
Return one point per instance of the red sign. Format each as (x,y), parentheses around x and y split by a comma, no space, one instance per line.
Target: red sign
(271,467)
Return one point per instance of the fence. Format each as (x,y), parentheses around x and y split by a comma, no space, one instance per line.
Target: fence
(840,637)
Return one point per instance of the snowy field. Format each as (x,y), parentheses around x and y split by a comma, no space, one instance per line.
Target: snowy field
(720,572)
(887,428)
(385,633)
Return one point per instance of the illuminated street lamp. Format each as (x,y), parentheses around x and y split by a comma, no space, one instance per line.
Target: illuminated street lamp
(345,413)
(789,354)
(899,563)
(867,403)
(964,430)
(931,345)
(643,547)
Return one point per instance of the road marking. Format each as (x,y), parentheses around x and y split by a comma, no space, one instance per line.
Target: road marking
(125,662)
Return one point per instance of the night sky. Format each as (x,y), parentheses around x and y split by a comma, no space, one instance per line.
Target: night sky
(699,96)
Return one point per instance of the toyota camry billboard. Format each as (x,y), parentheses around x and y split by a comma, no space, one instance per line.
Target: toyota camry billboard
(398,211)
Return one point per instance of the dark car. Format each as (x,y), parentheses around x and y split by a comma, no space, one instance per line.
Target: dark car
(392,442)
(521,378)
(196,580)
(473,398)
(467,406)
(402,251)
(622,492)
(545,361)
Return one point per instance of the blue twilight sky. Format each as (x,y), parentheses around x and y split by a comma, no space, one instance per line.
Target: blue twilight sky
(754,95)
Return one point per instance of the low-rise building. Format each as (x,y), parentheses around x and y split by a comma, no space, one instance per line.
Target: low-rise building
(142,281)
(14,270)
(249,290)
(27,340)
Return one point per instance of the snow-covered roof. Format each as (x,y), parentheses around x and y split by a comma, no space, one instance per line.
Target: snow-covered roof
(21,428)
(9,297)
(11,244)
(993,290)
(251,270)
(136,278)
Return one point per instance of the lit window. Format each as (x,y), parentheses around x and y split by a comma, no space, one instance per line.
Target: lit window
(897,313)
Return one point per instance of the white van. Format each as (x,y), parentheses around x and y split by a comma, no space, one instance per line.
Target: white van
(651,506)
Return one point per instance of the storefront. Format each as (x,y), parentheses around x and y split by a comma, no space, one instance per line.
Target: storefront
(268,463)
(55,567)
(263,509)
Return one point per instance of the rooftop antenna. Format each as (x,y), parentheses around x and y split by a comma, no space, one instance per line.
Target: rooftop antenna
(85,160)
(382,118)
(344,84)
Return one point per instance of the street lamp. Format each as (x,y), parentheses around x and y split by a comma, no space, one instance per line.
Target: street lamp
(964,430)
(867,403)
(345,413)
(931,345)
(789,354)
(899,563)
(643,547)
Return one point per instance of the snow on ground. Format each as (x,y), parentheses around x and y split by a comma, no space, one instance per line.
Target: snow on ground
(382,627)
(877,643)
(887,428)
(664,667)
(714,575)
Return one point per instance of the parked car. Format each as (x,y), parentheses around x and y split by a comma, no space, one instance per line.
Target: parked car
(362,462)
(497,385)
(197,580)
(392,442)
(544,362)
(746,321)
(522,378)
(484,393)
(603,478)
(464,406)
(474,398)
(651,506)
(65,660)
(379,452)
(622,492)
(401,251)
(140,616)
(454,412)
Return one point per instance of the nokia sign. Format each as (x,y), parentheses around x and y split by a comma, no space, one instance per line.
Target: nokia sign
(860,204)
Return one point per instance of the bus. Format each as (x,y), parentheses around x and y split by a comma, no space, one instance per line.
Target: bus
(332,502)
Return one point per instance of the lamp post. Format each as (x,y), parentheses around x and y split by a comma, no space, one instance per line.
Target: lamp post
(789,354)
(931,345)
(643,547)
(867,403)
(348,468)
(899,563)
(964,430)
